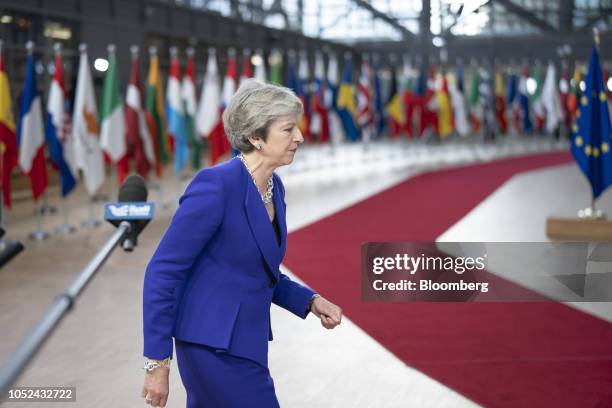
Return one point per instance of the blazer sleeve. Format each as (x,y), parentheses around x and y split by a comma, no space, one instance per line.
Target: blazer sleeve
(288,294)
(292,296)
(200,212)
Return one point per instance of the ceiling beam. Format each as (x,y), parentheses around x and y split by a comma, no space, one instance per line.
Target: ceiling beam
(605,13)
(385,17)
(526,15)
(457,18)
(277,8)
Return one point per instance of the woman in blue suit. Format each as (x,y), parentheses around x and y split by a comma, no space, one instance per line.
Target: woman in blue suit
(215,273)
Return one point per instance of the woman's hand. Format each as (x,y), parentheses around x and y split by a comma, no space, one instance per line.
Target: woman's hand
(330,314)
(155,389)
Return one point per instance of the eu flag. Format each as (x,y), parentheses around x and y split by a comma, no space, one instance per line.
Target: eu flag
(591,133)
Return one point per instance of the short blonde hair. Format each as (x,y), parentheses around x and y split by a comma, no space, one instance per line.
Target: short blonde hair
(252,109)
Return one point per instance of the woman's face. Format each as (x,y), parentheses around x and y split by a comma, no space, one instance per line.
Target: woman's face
(282,141)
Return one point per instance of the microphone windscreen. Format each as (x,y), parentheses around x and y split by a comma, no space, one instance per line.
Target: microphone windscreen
(133,189)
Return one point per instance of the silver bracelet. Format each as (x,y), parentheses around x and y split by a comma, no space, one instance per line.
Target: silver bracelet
(316,295)
(150,364)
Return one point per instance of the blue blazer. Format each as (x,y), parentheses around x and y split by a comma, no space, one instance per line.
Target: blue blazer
(216,272)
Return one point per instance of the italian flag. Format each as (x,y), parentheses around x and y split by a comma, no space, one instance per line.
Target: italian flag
(474,100)
(112,117)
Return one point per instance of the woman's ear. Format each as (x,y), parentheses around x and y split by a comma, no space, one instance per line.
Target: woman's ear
(256,142)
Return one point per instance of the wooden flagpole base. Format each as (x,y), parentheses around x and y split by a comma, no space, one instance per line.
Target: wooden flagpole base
(578,229)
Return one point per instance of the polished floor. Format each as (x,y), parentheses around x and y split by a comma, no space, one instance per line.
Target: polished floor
(97,348)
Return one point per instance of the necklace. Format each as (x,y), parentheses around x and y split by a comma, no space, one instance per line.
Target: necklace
(267,196)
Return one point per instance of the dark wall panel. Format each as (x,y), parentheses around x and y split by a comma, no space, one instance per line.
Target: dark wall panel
(181,22)
(156,18)
(70,6)
(128,12)
(205,27)
(23,3)
(97,8)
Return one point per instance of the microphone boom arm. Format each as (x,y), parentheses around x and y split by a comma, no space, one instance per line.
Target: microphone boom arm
(19,360)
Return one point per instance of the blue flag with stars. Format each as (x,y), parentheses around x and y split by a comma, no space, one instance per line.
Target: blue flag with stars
(591,141)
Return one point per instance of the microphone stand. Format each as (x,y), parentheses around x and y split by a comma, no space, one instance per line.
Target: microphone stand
(62,304)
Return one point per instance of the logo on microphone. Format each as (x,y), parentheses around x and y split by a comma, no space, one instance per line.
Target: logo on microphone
(128,211)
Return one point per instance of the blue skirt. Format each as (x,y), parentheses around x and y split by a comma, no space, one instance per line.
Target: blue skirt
(220,380)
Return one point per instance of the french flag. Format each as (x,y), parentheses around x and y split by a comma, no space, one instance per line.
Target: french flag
(30,134)
(56,129)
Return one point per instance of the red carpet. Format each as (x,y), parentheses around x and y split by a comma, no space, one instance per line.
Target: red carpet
(496,354)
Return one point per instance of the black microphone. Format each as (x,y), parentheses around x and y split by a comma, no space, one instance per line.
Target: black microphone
(8,249)
(133,189)
(131,207)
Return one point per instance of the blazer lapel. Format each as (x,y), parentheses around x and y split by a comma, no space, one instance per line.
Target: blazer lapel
(261,226)
(281,215)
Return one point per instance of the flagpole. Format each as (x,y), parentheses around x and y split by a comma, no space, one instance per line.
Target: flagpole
(177,172)
(592,212)
(111,48)
(46,207)
(2,150)
(365,135)
(333,138)
(91,222)
(66,227)
(196,151)
(591,224)
(38,234)
(113,167)
(151,184)
(2,187)
(114,185)
(163,204)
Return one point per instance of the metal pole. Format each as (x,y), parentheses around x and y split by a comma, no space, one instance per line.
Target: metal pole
(593,209)
(39,234)
(65,228)
(2,186)
(19,360)
(91,222)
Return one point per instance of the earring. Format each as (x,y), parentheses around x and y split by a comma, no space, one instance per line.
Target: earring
(258,147)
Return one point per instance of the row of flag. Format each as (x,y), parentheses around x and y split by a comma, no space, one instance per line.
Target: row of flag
(503,102)
(143,130)
(405,100)
(139,131)
(488,100)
